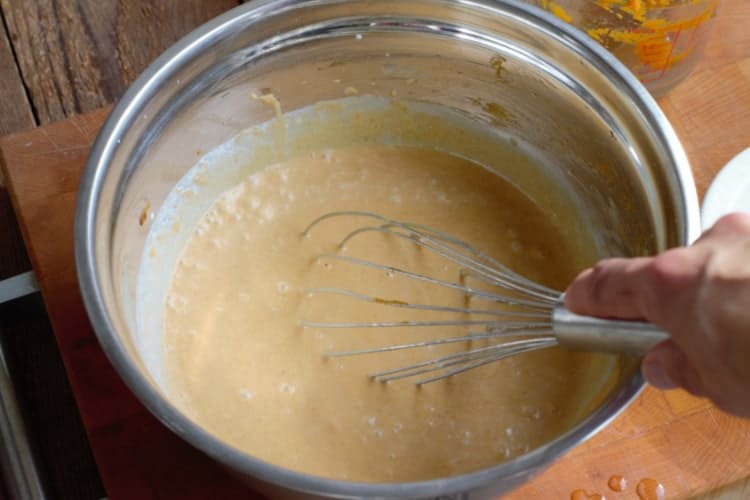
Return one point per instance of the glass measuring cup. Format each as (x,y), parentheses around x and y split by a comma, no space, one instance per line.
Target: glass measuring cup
(659,40)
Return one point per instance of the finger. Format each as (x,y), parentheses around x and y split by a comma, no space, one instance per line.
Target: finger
(729,226)
(650,288)
(666,367)
(609,289)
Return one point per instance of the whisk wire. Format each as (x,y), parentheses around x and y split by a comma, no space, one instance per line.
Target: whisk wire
(502,353)
(504,277)
(463,361)
(474,292)
(470,337)
(495,267)
(491,325)
(425,307)
(525,330)
(497,270)
(441,235)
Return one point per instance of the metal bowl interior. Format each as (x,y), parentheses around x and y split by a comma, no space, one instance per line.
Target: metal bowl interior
(519,71)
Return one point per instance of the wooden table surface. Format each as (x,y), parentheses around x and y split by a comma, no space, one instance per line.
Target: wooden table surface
(63,57)
(59,58)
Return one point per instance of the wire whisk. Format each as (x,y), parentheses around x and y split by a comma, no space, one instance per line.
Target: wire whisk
(531,316)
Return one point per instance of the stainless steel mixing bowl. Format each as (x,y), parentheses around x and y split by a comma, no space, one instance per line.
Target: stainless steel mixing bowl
(516,69)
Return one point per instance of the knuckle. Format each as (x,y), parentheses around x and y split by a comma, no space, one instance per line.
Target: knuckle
(671,269)
(734,223)
(666,281)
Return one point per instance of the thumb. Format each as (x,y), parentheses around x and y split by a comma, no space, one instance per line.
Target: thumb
(666,367)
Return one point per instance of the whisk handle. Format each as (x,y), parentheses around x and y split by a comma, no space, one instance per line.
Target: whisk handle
(586,333)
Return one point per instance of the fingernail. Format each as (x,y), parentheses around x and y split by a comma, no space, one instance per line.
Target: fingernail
(655,374)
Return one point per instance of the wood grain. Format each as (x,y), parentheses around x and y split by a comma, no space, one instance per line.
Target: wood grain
(78,55)
(735,491)
(29,346)
(143,30)
(15,116)
(682,442)
(16,109)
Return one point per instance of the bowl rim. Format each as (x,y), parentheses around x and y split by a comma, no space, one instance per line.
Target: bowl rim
(128,109)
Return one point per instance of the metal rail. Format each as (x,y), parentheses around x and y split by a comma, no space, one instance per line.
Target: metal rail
(18,286)
(18,464)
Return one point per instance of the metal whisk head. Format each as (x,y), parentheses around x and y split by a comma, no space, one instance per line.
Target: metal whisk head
(521,315)
(522,324)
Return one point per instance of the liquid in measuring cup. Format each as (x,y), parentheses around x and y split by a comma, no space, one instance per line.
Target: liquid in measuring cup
(660,41)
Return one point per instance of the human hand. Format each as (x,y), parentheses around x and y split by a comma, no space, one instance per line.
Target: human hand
(700,295)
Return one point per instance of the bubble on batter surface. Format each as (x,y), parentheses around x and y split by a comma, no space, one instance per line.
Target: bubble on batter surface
(176,302)
(254,203)
(288,388)
(219,243)
(268,213)
(230,201)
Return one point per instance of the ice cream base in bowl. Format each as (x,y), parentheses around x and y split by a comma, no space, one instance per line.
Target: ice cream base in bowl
(226,271)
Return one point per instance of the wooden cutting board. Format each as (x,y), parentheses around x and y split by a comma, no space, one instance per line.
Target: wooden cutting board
(682,442)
